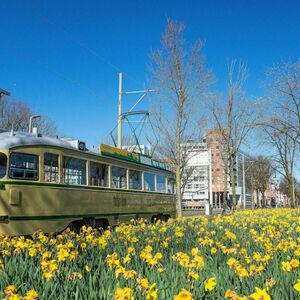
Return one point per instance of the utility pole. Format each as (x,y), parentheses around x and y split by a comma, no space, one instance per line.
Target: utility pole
(210,179)
(119,143)
(3,93)
(120,114)
(244,183)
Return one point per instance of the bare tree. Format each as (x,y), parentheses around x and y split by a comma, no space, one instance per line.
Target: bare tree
(283,88)
(258,171)
(285,145)
(180,80)
(15,115)
(234,119)
(285,189)
(281,126)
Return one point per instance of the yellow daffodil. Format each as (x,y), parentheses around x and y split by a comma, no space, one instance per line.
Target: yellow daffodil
(10,289)
(260,294)
(143,282)
(124,294)
(193,275)
(229,294)
(152,292)
(297,286)
(213,250)
(183,295)
(210,284)
(31,295)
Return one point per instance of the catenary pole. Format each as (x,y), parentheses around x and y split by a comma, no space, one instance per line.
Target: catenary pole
(119,144)
(244,183)
(210,179)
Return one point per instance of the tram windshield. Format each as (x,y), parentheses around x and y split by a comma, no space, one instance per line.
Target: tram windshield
(23,166)
(3,165)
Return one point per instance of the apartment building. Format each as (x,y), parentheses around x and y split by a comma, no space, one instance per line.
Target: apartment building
(214,141)
(197,188)
(196,175)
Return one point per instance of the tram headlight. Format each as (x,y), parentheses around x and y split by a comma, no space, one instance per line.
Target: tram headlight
(4,219)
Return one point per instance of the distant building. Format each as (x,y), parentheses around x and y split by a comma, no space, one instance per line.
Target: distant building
(197,187)
(196,175)
(215,141)
(143,149)
(273,196)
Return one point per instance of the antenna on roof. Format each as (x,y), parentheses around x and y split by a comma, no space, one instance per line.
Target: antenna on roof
(30,122)
(12,130)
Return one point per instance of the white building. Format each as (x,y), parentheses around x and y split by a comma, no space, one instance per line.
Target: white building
(196,176)
(143,149)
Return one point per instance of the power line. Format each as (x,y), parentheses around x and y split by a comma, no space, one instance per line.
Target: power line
(73,38)
(46,66)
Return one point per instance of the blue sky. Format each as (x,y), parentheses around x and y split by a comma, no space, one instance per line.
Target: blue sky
(42,63)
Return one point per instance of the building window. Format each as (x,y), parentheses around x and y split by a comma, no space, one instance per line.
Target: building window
(149,184)
(74,171)
(3,165)
(135,180)
(51,167)
(118,175)
(98,174)
(23,166)
(171,183)
(161,183)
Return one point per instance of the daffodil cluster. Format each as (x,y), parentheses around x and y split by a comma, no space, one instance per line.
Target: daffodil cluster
(247,255)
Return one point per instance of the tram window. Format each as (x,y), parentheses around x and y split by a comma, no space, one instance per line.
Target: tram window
(23,166)
(118,177)
(74,171)
(161,183)
(51,167)
(135,180)
(98,174)
(149,184)
(171,183)
(3,164)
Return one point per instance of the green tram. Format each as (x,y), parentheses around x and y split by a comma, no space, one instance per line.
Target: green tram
(49,184)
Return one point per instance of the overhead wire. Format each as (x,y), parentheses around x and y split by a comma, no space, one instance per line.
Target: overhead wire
(73,38)
(46,66)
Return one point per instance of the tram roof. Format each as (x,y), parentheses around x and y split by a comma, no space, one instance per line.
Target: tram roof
(10,140)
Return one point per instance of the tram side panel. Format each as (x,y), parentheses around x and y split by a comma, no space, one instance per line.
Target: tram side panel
(33,207)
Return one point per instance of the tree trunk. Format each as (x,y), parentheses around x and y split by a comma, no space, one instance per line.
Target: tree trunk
(225,180)
(178,192)
(178,161)
(263,199)
(232,179)
(291,190)
(257,198)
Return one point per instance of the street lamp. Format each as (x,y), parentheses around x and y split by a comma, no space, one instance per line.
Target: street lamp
(4,92)
(30,122)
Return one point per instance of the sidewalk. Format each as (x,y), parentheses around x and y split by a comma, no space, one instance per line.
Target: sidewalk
(199,212)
